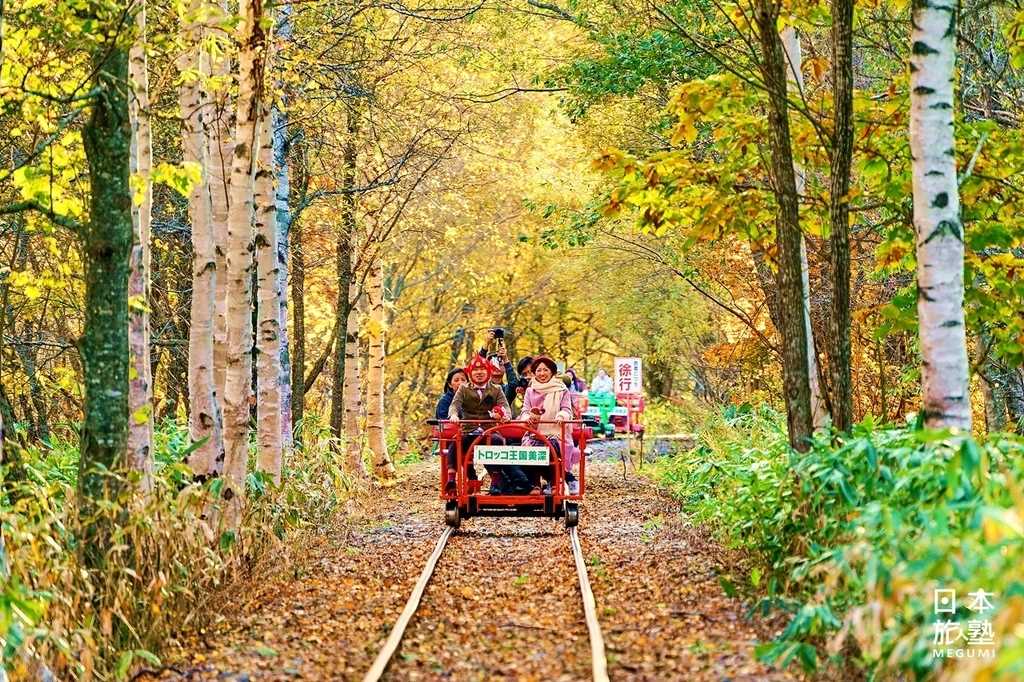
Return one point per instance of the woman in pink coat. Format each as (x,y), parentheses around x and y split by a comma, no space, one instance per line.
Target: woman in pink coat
(547,400)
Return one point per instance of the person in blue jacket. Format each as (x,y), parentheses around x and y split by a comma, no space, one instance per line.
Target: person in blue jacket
(452,382)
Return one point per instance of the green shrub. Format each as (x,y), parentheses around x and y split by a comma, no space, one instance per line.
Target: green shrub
(852,539)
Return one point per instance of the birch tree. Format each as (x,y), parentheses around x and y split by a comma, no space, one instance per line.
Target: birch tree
(220,148)
(268,310)
(940,246)
(140,382)
(205,419)
(279,121)
(794,79)
(353,396)
(239,248)
(282,191)
(375,330)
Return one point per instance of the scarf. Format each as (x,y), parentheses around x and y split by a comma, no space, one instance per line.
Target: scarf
(552,392)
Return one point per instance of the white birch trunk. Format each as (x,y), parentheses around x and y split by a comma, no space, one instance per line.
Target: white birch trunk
(819,413)
(283,226)
(220,144)
(205,419)
(140,382)
(353,396)
(268,337)
(283,192)
(940,246)
(376,328)
(240,246)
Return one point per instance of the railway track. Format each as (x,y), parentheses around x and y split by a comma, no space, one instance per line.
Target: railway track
(599,664)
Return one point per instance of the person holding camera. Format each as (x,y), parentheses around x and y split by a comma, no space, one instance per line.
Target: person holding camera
(517,378)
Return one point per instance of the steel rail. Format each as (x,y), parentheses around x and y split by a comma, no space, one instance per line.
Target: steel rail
(380,664)
(598,661)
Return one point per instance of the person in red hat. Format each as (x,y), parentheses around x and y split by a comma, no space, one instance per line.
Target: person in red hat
(480,399)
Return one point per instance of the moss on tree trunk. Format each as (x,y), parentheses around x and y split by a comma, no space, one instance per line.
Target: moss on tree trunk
(106,241)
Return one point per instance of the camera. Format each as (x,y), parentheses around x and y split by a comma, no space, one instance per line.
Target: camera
(499,332)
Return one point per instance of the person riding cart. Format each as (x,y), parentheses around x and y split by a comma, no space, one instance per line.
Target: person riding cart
(477,400)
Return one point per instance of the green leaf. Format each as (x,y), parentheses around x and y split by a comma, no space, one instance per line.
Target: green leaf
(227,540)
(124,661)
(148,656)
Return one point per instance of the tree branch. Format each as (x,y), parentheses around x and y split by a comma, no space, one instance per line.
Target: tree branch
(31,205)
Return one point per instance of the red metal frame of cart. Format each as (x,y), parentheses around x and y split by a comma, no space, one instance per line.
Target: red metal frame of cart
(468,496)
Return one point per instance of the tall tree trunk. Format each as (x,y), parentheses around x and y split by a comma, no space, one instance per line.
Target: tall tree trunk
(1012,382)
(205,419)
(299,331)
(794,330)
(282,193)
(794,77)
(839,239)
(940,246)
(376,329)
(140,381)
(343,265)
(992,389)
(106,240)
(240,245)
(28,355)
(353,397)
(221,150)
(268,358)
(279,120)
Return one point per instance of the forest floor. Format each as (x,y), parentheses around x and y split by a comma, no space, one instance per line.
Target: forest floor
(504,602)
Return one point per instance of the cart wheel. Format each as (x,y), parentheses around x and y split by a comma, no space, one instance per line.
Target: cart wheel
(572,514)
(451,515)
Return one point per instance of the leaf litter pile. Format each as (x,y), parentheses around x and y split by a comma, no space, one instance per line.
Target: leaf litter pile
(504,601)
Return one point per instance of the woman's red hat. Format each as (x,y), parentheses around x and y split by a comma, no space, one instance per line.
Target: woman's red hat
(544,360)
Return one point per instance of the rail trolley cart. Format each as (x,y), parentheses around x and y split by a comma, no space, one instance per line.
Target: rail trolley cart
(600,410)
(467,498)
